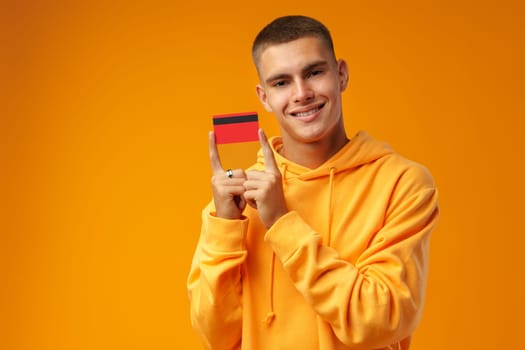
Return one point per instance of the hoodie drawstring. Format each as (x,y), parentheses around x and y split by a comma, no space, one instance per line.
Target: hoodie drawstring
(330,205)
(270,316)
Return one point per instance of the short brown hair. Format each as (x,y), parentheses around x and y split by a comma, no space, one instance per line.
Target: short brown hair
(288,28)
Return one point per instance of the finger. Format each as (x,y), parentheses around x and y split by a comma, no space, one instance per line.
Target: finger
(224,181)
(255,175)
(238,174)
(269,158)
(252,183)
(249,197)
(231,191)
(215,160)
(240,201)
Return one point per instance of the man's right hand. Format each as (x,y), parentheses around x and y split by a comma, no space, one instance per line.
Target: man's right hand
(228,192)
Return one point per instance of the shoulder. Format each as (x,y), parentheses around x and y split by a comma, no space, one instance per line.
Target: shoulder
(403,177)
(410,186)
(410,170)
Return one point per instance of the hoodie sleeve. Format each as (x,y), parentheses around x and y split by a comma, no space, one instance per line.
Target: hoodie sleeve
(377,300)
(214,282)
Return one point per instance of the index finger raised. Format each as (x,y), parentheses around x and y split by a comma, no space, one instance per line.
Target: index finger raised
(269,158)
(215,160)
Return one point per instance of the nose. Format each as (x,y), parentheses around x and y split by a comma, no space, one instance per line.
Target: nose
(303,92)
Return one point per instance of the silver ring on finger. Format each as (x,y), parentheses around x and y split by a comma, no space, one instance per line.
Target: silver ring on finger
(229,173)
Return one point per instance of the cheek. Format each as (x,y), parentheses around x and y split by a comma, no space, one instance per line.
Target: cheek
(331,88)
(277,102)
(334,93)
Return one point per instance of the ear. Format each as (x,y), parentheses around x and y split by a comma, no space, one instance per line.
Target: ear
(263,97)
(343,74)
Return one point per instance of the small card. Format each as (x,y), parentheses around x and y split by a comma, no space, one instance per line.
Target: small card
(236,127)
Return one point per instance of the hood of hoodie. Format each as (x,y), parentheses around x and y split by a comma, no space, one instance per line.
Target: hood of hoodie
(360,150)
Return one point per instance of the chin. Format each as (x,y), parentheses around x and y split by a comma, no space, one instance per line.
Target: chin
(311,137)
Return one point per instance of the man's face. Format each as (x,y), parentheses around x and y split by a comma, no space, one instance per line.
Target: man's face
(301,83)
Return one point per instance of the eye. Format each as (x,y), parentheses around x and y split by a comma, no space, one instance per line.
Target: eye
(279,83)
(315,72)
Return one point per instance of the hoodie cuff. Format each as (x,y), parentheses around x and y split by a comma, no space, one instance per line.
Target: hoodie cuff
(226,235)
(288,233)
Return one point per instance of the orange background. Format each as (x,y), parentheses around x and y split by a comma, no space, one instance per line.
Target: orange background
(104,120)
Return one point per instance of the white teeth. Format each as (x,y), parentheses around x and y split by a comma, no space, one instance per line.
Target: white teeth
(305,114)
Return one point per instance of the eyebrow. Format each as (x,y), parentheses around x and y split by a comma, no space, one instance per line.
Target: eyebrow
(306,69)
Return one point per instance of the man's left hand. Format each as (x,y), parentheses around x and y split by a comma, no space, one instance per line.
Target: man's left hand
(264,189)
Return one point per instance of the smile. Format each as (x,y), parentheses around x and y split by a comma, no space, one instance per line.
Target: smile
(308,113)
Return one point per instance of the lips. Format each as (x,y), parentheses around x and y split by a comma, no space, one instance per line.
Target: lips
(305,113)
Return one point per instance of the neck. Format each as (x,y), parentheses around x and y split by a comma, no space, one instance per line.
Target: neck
(314,154)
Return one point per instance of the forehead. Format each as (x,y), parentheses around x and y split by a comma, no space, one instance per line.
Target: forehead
(291,57)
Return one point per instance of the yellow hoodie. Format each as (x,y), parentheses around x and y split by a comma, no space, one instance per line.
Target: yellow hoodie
(346,268)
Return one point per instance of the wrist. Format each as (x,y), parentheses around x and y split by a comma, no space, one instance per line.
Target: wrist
(226,215)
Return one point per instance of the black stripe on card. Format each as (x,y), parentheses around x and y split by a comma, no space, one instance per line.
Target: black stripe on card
(235,120)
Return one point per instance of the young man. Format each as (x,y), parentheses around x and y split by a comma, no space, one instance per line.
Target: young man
(323,243)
